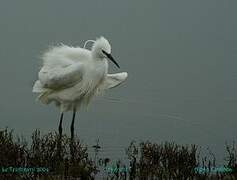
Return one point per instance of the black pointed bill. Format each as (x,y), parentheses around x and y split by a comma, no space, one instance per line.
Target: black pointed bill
(111,58)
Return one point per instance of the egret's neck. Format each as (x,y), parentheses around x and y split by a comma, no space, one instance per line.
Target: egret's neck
(96,55)
(101,65)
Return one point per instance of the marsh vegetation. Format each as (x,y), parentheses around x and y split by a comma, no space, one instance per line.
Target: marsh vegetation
(59,158)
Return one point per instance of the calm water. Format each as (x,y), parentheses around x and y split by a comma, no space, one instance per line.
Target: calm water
(181,57)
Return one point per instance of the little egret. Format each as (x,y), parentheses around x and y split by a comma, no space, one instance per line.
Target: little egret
(71,76)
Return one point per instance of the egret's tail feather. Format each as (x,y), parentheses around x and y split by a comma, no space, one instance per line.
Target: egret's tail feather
(43,97)
(43,92)
(38,87)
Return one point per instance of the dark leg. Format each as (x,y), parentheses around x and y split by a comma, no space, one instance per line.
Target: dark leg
(72,125)
(60,137)
(60,130)
(72,149)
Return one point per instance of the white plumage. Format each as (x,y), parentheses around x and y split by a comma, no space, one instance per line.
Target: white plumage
(71,76)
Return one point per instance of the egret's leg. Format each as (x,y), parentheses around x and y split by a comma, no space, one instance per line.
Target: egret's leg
(60,136)
(60,129)
(72,136)
(72,124)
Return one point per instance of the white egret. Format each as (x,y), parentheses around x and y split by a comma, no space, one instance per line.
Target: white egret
(71,76)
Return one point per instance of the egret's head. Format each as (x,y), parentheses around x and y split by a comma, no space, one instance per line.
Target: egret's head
(102,49)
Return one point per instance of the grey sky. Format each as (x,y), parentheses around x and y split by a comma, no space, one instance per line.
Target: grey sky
(180,56)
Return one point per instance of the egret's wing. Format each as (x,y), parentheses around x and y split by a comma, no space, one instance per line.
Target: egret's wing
(113,80)
(61,77)
(58,56)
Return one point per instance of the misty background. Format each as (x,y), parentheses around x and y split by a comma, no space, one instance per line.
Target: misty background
(181,58)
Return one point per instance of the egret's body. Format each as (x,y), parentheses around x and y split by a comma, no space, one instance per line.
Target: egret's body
(71,76)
